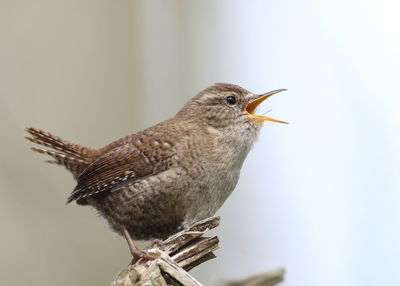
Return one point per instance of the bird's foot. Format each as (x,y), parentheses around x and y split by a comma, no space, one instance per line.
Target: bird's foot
(138,254)
(143,255)
(153,243)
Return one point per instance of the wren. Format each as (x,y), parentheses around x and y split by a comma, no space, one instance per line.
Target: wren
(153,183)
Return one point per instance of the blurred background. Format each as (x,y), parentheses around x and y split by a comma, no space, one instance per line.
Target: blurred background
(319,196)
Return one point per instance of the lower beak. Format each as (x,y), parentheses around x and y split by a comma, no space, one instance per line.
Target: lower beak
(251,107)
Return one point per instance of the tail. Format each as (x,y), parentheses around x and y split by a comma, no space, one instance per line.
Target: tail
(76,158)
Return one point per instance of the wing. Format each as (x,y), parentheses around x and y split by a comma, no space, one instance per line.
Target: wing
(116,166)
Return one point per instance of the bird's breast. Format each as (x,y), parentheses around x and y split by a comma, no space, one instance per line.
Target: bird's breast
(213,175)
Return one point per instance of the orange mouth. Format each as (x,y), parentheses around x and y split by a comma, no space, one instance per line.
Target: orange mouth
(251,107)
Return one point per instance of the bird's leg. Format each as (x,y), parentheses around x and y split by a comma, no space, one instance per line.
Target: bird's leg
(155,242)
(135,251)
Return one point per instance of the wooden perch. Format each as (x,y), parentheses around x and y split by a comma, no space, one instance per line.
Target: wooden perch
(267,278)
(178,254)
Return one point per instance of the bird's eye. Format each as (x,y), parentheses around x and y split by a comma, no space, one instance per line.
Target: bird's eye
(231,99)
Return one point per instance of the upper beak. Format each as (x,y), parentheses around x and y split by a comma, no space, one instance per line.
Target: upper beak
(251,106)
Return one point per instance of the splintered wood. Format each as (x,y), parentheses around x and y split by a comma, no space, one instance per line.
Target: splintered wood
(178,254)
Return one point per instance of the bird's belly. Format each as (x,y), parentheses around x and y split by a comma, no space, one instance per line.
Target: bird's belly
(161,205)
(148,208)
(144,218)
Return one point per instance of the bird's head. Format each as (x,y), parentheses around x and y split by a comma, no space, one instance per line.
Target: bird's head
(225,105)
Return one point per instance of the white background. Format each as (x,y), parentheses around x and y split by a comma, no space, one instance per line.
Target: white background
(319,197)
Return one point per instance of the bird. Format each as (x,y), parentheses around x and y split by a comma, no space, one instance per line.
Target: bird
(153,183)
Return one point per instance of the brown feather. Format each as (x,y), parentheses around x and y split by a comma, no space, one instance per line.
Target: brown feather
(73,156)
(126,162)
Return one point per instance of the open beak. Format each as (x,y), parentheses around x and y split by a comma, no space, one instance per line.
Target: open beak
(251,107)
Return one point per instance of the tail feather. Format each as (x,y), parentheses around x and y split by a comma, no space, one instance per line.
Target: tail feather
(73,156)
(50,145)
(57,143)
(60,157)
